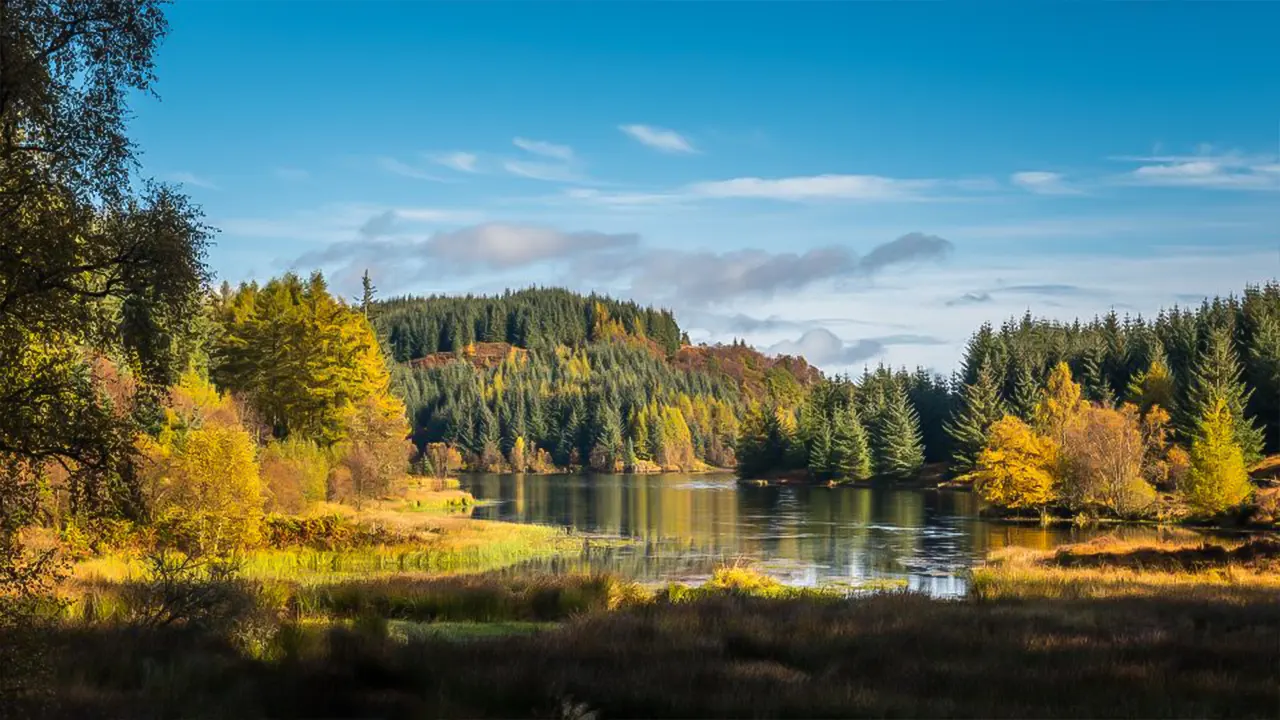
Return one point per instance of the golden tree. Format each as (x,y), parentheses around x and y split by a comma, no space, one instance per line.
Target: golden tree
(1217,479)
(1059,404)
(1016,468)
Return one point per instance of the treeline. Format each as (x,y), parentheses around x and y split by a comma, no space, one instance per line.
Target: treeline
(608,406)
(1161,389)
(539,318)
(886,424)
(1232,342)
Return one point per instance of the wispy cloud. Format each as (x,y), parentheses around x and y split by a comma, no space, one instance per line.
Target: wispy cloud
(660,139)
(474,249)
(544,148)
(292,174)
(461,161)
(186,177)
(699,278)
(1043,183)
(824,348)
(397,167)
(1206,169)
(818,187)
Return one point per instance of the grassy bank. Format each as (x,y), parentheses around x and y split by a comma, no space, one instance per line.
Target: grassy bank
(1179,629)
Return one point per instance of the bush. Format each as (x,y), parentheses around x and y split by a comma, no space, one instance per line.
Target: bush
(204,486)
(374,458)
(1102,454)
(294,475)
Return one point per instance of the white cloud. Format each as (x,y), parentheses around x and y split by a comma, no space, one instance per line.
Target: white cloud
(621,199)
(189,178)
(949,302)
(1207,169)
(546,149)
(460,161)
(396,167)
(1043,183)
(661,139)
(817,187)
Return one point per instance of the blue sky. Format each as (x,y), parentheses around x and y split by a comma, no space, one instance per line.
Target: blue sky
(857,182)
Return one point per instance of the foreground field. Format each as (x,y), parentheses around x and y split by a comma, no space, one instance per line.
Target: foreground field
(1104,629)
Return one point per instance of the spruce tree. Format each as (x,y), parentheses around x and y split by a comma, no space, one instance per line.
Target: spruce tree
(1216,376)
(1093,380)
(820,464)
(1026,392)
(850,453)
(900,450)
(980,407)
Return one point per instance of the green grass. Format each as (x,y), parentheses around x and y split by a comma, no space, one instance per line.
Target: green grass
(461,546)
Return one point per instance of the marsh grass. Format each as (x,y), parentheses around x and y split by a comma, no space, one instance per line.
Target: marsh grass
(1110,568)
(449,545)
(1108,628)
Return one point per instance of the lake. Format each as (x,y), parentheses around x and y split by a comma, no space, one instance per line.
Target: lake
(688,524)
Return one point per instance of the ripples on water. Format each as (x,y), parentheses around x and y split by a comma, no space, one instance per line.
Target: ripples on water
(686,525)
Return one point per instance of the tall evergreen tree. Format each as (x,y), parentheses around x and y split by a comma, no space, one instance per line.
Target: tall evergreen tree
(1093,380)
(900,450)
(1026,392)
(850,453)
(1216,377)
(980,407)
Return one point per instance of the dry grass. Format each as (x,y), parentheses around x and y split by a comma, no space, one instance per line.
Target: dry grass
(1107,628)
(1108,568)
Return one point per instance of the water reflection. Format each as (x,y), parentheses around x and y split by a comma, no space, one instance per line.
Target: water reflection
(689,523)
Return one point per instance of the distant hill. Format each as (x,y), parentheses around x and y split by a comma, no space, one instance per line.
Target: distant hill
(541,378)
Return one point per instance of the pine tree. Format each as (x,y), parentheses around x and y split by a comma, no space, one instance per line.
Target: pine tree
(1217,479)
(1026,393)
(900,451)
(815,433)
(1216,376)
(850,454)
(367,292)
(820,464)
(1093,380)
(980,407)
(1152,387)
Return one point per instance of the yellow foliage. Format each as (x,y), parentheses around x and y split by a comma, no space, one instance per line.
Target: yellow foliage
(1103,452)
(1217,479)
(1059,404)
(1015,470)
(207,485)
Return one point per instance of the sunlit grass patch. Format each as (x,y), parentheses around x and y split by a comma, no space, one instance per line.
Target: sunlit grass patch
(1108,568)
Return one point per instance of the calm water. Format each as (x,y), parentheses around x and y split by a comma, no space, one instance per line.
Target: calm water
(687,524)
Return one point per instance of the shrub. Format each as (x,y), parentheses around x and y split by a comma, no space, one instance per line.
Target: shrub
(205,487)
(375,455)
(1102,454)
(294,474)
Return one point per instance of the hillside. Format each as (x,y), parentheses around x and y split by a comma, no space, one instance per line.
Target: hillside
(544,379)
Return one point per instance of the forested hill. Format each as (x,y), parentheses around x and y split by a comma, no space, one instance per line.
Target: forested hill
(539,379)
(531,318)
